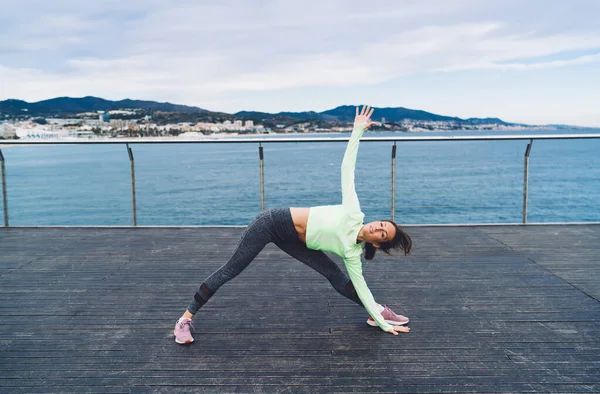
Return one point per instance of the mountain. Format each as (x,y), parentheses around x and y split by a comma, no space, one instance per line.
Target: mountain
(346,113)
(70,106)
(64,106)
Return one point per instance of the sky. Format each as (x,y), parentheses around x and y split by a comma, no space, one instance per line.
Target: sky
(533,61)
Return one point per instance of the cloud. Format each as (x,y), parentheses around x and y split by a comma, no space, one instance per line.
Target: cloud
(437,48)
(196,52)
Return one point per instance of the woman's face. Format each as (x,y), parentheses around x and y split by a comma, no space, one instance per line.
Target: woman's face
(378,232)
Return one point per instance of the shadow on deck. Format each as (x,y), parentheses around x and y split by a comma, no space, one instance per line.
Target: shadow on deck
(493,309)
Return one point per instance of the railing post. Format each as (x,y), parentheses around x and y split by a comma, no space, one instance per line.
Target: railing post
(132,163)
(393,182)
(526,180)
(4,198)
(262,177)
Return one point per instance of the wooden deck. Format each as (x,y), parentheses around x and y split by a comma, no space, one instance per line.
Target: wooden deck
(498,309)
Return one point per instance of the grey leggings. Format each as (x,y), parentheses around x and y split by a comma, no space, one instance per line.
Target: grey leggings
(273,225)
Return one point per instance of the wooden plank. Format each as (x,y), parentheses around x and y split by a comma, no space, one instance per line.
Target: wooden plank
(493,309)
(570,252)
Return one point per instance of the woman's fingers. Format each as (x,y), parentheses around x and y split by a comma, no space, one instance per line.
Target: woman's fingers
(365,113)
(396,329)
(366,110)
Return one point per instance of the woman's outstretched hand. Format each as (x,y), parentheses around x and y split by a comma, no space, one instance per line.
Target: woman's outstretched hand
(396,329)
(364,116)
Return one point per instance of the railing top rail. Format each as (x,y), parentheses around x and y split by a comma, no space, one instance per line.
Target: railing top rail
(212,140)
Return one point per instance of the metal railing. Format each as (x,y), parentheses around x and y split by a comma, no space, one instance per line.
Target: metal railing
(4,194)
(132,164)
(261,141)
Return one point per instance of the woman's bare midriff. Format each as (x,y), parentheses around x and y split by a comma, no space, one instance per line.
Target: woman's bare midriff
(300,218)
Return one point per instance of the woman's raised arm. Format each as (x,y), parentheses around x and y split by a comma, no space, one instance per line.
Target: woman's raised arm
(362,121)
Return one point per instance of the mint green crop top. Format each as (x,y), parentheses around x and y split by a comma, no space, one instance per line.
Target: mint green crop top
(334,228)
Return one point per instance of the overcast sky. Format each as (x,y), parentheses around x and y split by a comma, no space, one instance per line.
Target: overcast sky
(531,61)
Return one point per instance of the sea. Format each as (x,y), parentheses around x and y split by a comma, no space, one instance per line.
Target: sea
(436,182)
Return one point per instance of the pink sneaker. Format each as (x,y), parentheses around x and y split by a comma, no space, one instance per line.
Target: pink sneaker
(182,331)
(390,318)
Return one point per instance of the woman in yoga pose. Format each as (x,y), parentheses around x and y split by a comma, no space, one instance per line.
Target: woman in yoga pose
(305,233)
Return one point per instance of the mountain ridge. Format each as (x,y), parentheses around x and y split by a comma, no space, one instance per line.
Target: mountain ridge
(68,106)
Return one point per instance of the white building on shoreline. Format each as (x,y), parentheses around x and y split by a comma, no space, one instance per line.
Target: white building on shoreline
(7,131)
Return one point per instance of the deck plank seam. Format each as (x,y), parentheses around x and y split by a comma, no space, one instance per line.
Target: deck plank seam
(544,268)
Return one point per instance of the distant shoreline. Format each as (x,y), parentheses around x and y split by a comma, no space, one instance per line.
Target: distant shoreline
(195,136)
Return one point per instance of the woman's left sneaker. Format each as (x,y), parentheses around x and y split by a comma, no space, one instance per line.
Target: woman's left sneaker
(182,333)
(390,318)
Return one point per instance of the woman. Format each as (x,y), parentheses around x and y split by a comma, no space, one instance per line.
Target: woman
(305,233)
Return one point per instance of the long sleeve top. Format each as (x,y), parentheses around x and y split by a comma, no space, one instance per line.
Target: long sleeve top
(334,228)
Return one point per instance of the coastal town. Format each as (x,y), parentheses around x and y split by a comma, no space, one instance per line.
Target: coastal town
(113,124)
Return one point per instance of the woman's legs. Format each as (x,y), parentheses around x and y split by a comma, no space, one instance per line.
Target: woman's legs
(321,263)
(255,237)
(262,230)
(273,225)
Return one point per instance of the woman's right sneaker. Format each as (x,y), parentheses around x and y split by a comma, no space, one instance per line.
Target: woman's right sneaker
(182,332)
(390,318)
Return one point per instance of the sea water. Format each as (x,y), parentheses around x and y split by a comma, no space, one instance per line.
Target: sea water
(437,182)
